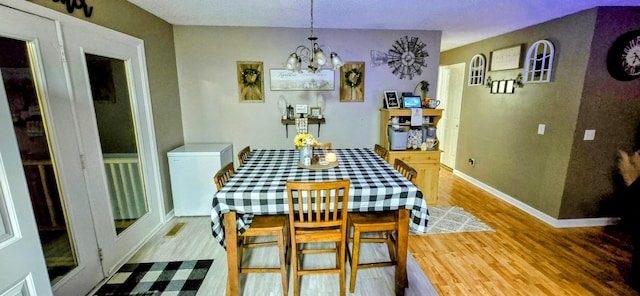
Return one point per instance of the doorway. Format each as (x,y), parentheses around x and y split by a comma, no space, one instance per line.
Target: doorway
(450,88)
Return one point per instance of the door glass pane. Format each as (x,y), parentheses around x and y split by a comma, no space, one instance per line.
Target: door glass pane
(114,116)
(30,127)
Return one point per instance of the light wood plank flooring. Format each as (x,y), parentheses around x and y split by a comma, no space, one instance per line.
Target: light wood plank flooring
(195,241)
(524,256)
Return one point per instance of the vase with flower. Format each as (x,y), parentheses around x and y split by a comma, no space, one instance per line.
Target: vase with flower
(304,143)
(424,90)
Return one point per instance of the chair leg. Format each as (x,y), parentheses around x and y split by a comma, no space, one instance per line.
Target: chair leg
(343,246)
(337,257)
(294,261)
(283,264)
(390,246)
(241,242)
(354,260)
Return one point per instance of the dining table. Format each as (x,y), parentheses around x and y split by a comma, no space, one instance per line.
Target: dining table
(258,187)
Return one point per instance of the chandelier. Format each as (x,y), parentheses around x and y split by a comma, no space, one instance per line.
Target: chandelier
(313,55)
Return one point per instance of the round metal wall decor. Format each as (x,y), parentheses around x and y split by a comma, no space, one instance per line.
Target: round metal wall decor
(407,57)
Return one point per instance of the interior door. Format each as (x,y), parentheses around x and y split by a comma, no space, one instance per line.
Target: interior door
(19,243)
(450,87)
(46,235)
(108,72)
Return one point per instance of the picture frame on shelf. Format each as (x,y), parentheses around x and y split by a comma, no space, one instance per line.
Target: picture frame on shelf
(302,109)
(391,100)
(250,82)
(315,112)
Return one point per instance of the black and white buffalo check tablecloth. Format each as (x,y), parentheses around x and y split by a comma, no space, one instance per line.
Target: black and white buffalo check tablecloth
(259,187)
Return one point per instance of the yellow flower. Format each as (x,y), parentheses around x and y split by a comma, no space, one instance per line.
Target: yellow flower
(301,140)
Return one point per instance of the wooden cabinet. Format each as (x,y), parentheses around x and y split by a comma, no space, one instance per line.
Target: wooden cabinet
(427,163)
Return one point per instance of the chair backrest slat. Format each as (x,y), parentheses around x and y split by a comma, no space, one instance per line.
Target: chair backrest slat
(405,169)
(243,155)
(317,204)
(381,151)
(223,175)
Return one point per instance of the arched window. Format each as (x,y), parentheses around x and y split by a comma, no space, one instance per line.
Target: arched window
(476,70)
(539,62)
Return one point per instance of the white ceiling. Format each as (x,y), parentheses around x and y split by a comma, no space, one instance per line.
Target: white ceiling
(461,21)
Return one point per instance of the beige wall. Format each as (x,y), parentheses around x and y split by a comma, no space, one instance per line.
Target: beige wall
(556,173)
(211,110)
(157,34)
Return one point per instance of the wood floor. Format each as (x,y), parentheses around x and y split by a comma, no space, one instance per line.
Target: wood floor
(194,241)
(524,256)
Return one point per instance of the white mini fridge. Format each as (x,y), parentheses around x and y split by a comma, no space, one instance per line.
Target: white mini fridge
(192,167)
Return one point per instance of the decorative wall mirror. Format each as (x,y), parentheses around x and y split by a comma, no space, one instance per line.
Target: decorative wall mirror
(539,62)
(477,68)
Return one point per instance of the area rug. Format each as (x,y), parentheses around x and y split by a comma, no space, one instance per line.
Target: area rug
(157,278)
(453,219)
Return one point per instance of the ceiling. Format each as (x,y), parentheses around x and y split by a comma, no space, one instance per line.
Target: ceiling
(461,21)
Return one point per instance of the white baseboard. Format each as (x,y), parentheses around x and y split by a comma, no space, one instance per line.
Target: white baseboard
(169,216)
(557,223)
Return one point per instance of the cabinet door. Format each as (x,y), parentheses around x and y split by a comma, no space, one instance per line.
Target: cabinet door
(428,181)
(427,164)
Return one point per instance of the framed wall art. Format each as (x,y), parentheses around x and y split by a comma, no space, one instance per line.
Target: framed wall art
(352,82)
(494,86)
(283,79)
(250,82)
(391,100)
(506,58)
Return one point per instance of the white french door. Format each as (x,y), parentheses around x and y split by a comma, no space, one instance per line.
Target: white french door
(44,203)
(83,127)
(113,110)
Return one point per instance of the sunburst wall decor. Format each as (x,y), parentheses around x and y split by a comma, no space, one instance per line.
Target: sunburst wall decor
(406,58)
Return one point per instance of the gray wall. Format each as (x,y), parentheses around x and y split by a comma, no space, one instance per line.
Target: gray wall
(611,107)
(211,110)
(556,173)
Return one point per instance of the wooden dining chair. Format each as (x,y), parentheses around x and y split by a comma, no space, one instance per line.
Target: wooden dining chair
(315,217)
(381,151)
(243,155)
(383,223)
(262,226)
(324,145)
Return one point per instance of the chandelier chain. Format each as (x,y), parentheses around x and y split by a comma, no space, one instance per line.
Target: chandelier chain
(312,18)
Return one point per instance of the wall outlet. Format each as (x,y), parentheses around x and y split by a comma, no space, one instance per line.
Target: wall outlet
(541,129)
(589,135)
(472,162)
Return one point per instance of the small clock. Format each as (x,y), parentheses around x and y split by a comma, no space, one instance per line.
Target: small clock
(623,59)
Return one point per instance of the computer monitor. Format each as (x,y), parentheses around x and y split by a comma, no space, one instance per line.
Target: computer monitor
(411,102)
